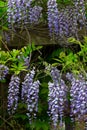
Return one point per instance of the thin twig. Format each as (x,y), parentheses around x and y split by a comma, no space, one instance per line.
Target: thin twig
(18,35)
(5,45)
(29,39)
(7,123)
(5,13)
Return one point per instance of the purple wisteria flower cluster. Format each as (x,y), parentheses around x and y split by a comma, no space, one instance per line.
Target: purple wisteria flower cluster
(29,94)
(17,12)
(80,9)
(78,95)
(4,70)
(65,22)
(13,94)
(35,14)
(53,17)
(61,22)
(20,12)
(57,97)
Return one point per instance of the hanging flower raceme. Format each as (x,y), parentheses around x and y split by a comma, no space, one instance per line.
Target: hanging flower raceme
(56,97)
(13,12)
(53,17)
(66,21)
(4,70)
(35,14)
(18,12)
(62,22)
(13,94)
(80,11)
(78,95)
(28,81)
(29,95)
(71,20)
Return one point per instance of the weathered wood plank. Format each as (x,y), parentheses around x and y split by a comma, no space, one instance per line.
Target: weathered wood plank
(39,36)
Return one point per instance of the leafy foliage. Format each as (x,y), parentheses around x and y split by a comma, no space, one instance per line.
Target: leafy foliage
(15,59)
(72,61)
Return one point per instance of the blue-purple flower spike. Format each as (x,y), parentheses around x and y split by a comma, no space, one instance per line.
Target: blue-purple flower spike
(28,81)
(29,94)
(13,94)
(78,95)
(53,17)
(4,70)
(18,12)
(81,15)
(35,14)
(56,97)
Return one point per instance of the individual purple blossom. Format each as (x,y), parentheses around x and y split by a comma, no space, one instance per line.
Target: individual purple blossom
(53,17)
(4,70)
(13,94)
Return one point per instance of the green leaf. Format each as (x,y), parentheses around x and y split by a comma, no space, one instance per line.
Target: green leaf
(21,116)
(5,28)
(15,53)
(55,64)
(62,55)
(33,46)
(44,91)
(39,125)
(85,39)
(4,57)
(18,68)
(60,61)
(44,85)
(22,105)
(73,40)
(39,47)
(0,38)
